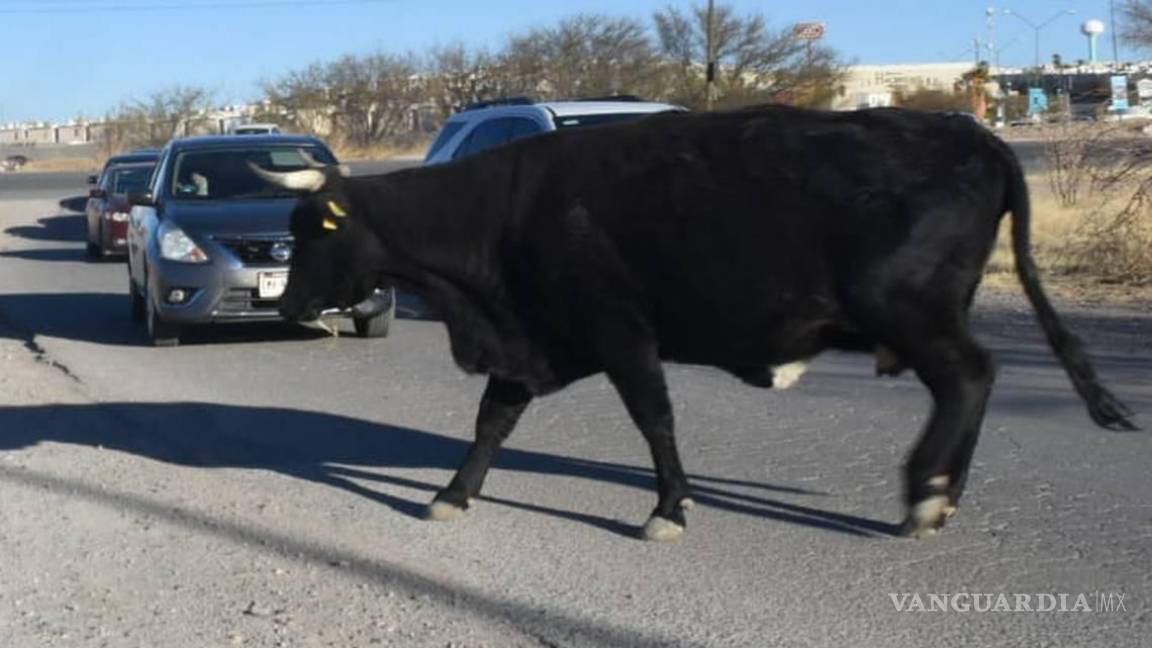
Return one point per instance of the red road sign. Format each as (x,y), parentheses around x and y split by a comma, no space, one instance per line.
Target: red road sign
(809,30)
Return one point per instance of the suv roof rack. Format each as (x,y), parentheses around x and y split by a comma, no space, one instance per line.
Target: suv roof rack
(500,101)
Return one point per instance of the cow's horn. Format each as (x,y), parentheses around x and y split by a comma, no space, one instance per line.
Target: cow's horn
(310,160)
(310,180)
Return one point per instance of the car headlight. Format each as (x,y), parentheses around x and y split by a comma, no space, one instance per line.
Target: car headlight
(118,217)
(176,246)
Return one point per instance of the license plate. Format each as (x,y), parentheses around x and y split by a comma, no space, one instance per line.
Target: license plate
(270,285)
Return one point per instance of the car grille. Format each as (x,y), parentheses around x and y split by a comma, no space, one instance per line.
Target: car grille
(246,300)
(255,251)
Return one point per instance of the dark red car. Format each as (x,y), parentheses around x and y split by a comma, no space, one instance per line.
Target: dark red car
(107,211)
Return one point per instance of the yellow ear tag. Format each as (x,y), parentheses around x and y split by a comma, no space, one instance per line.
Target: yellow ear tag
(336,210)
(330,224)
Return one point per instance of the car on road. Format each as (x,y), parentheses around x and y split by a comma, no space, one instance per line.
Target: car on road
(488,124)
(255,129)
(139,155)
(209,239)
(14,162)
(106,213)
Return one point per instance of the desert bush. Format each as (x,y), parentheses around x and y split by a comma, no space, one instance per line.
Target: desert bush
(1113,240)
(1106,238)
(1097,158)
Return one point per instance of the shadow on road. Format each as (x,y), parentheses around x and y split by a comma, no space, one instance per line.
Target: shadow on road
(75,203)
(68,254)
(334,450)
(65,227)
(103,318)
(536,620)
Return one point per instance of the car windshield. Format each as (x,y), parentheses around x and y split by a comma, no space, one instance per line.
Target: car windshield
(225,174)
(575,121)
(129,179)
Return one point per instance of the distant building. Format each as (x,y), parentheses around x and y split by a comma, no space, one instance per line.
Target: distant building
(873,86)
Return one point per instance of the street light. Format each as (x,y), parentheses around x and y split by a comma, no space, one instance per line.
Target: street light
(1038,27)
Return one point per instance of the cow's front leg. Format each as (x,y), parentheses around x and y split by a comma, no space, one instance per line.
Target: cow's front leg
(500,408)
(639,379)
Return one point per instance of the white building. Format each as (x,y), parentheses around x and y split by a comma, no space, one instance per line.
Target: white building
(872,86)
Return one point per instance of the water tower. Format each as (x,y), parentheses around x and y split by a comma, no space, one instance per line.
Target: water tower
(1092,29)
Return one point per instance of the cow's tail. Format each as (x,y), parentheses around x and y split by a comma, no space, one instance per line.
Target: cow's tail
(1104,408)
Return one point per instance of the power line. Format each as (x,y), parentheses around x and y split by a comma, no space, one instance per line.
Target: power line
(178,6)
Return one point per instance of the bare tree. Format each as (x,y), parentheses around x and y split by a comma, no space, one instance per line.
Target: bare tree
(585,55)
(153,121)
(459,76)
(375,95)
(1137,28)
(360,99)
(756,63)
(301,99)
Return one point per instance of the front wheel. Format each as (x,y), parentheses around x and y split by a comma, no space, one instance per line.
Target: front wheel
(160,332)
(96,250)
(137,309)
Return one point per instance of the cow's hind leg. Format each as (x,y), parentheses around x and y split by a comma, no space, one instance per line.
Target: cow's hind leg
(961,463)
(639,378)
(500,408)
(959,374)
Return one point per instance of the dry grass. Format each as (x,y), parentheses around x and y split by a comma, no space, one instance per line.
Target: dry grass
(1053,225)
(64,164)
(1081,252)
(412,148)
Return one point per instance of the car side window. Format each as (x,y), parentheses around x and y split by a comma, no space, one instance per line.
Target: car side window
(523,127)
(485,136)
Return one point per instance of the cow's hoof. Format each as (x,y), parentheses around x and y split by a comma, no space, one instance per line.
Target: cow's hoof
(687,503)
(927,517)
(659,529)
(440,511)
(887,363)
(785,376)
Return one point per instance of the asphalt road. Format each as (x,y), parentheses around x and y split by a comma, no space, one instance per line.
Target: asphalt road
(262,486)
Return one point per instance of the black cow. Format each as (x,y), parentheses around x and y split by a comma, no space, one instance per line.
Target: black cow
(743,240)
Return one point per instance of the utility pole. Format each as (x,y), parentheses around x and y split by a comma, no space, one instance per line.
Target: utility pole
(710,67)
(994,71)
(1115,46)
(993,49)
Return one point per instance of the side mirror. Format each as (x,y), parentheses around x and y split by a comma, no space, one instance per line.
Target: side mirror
(97,193)
(93,179)
(141,199)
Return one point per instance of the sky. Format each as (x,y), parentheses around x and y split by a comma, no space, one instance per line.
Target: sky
(60,59)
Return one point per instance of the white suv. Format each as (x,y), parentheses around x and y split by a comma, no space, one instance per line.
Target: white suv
(485,125)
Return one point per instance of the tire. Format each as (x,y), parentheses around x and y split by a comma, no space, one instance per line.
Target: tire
(379,325)
(96,250)
(137,309)
(160,333)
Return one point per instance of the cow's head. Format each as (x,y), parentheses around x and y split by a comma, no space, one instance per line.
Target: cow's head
(336,260)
